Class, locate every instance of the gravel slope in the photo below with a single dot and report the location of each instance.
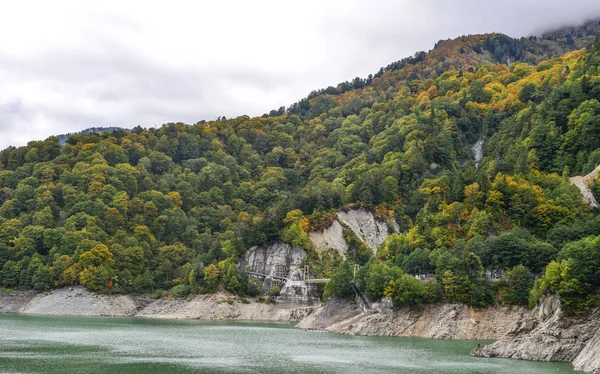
(77, 301)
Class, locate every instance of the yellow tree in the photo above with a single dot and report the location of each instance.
(294, 232)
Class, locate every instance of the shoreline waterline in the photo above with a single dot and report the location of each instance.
(53, 344)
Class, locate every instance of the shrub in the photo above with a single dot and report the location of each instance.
(275, 291)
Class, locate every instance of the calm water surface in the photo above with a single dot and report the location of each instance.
(36, 344)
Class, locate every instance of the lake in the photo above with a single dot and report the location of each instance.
(40, 344)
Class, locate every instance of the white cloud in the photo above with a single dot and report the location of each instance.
(69, 65)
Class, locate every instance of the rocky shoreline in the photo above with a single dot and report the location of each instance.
(436, 321)
(543, 334)
(439, 321)
(546, 334)
(77, 301)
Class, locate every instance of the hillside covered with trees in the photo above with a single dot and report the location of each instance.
(172, 208)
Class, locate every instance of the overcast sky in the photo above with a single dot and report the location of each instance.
(70, 65)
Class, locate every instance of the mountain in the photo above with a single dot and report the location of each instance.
(173, 209)
(462, 54)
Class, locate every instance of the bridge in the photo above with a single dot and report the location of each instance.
(261, 275)
(282, 276)
(307, 279)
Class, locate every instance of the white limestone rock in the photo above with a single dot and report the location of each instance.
(280, 260)
(366, 227)
(265, 260)
(546, 335)
(588, 359)
(330, 238)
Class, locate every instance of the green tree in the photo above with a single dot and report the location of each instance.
(405, 291)
(232, 279)
(339, 284)
(456, 287)
(519, 282)
(212, 277)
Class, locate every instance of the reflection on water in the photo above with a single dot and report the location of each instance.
(36, 344)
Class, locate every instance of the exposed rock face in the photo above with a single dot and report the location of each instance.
(547, 335)
(13, 302)
(364, 224)
(80, 302)
(280, 260)
(335, 311)
(296, 290)
(438, 321)
(74, 301)
(223, 306)
(583, 184)
(588, 359)
(266, 259)
(330, 238)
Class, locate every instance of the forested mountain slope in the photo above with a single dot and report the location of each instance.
(173, 208)
(92, 130)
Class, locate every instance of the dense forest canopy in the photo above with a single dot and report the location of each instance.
(172, 208)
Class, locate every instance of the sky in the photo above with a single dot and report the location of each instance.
(70, 65)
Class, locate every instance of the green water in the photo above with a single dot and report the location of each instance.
(36, 344)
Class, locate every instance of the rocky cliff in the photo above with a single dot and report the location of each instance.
(272, 259)
(363, 224)
(279, 264)
(330, 238)
(588, 359)
(547, 335)
(437, 321)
